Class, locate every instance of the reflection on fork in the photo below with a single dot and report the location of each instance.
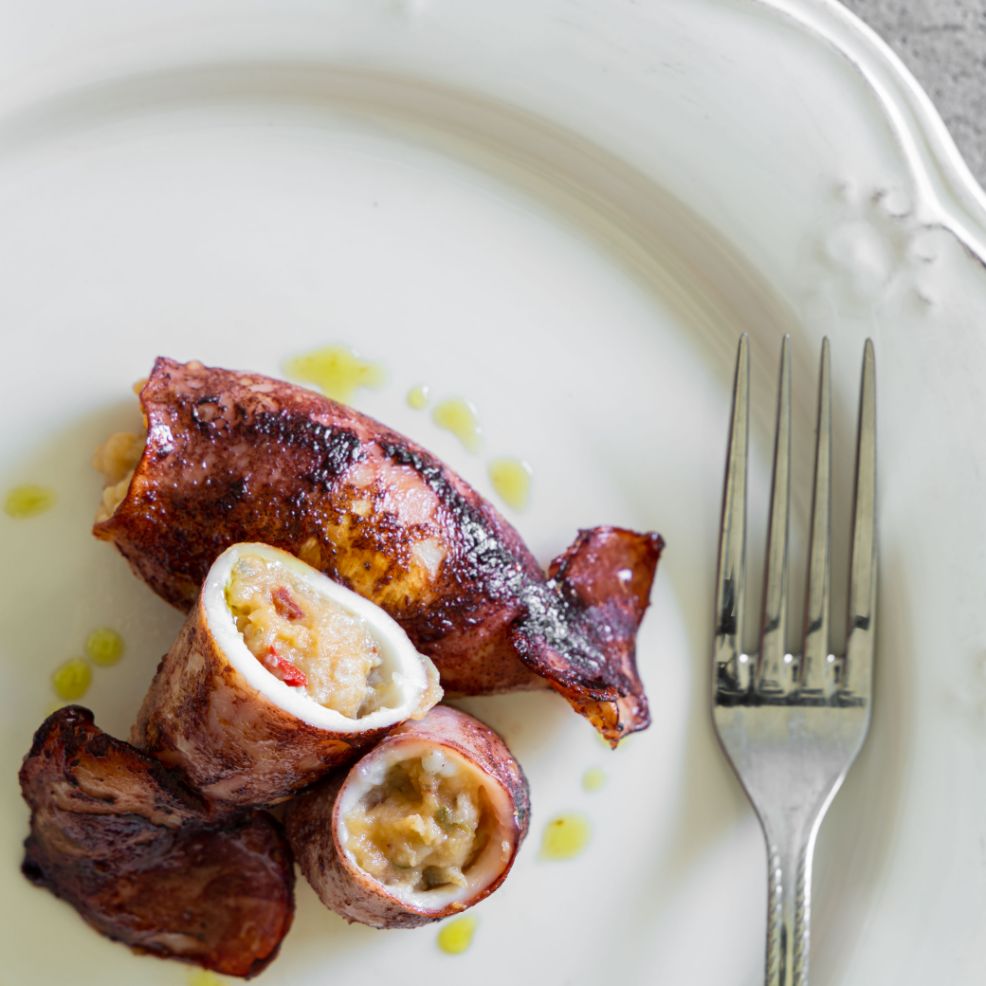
(792, 724)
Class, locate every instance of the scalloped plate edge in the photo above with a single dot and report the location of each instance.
(941, 176)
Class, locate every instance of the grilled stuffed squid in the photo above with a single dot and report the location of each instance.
(278, 675)
(233, 457)
(425, 825)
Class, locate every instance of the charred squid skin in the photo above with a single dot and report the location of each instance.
(314, 823)
(605, 576)
(233, 728)
(140, 856)
(238, 456)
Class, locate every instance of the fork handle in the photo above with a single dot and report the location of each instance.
(788, 907)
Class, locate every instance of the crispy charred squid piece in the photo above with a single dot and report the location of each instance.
(425, 825)
(121, 839)
(278, 675)
(238, 456)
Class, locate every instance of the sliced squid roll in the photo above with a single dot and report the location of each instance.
(278, 675)
(425, 825)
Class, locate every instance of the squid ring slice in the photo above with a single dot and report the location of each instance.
(425, 825)
(278, 675)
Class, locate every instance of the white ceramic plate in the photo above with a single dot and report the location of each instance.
(565, 211)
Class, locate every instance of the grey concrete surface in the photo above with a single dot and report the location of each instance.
(943, 42)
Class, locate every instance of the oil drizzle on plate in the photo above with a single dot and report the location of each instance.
(418, 396)
(202, 977)
(593, 779)
(71, 680)
(104, 647)
(337, 371)
(456, 936)
(511, 478)
(461, 418)
(28, 501)
(565, 836)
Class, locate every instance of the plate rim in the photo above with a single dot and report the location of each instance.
(942, 178)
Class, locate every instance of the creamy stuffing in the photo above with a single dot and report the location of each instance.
(303, 638)
(117, 459)
(423, 827)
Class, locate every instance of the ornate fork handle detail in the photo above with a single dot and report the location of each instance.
(788, 911)
(793, 724)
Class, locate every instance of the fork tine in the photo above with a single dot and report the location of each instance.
(732, 672)
(862, 571)
(814, 674)
(772, 676)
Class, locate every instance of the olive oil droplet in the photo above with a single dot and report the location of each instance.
(202, 977)
(565, 836)
(337, 371)
(456, 936)
(461, 418)
(593, 779)
(71, 680)
(417, 396)
(28, 501)
(104, 647)
(511, 478)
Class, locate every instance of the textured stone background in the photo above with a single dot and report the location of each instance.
(943, 42)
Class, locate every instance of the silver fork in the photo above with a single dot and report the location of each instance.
(793, 724)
